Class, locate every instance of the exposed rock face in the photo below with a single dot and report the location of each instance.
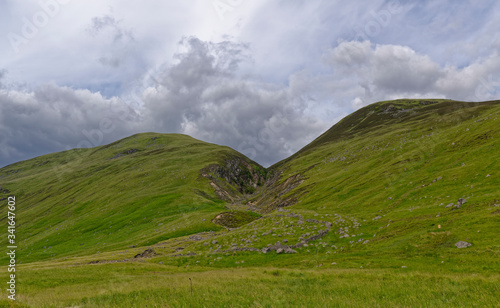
(463, 244)
(233, 177)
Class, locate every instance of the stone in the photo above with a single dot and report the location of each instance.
(449, 205)
(289, 250)
(279, 250)
(266, 249)
(462, 244)
(196, 237)
(461, 201)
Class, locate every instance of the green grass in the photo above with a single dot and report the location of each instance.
(154, 285)
(383, 175)
(87, 201)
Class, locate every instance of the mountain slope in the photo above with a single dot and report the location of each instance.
(389, 177)
(136, 191)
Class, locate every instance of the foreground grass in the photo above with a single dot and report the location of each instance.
(142, 284)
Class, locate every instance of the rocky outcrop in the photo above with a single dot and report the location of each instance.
(234, 177)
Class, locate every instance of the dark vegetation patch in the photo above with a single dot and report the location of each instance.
(235, 219)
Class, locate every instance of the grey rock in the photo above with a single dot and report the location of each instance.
(266, 249)
(461, 201)
(462, 244)
(279, 250)
(195, 237)
(289, 250)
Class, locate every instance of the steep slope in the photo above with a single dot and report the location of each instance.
(389, 178)
(136, 191)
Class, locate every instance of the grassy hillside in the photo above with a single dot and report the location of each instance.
(368, 214)
(397, 169)
(134, 192)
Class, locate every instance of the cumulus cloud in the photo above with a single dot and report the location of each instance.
(382, 72)
(53, 118)
(202, 96)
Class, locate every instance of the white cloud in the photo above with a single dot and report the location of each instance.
(381, 72)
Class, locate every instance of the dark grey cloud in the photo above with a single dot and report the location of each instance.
(201, 95)
(53, 118)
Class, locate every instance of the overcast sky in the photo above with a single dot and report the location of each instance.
(264, 77)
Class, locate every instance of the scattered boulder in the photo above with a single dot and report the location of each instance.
(266, 249)
(449, 205)
(196, 237)
(461, 201)
(289, 250)
(279, 250)
(463, 244)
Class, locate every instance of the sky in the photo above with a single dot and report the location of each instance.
(263, 77)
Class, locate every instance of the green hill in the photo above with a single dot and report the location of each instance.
(397, 169)
(136, 191)
(392, 187)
